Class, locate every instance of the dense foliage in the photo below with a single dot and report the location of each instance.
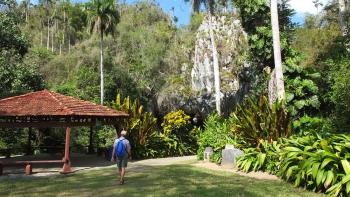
(146, 56)
(177, 137)
(16, 74)
(315, 162)
(256, 120)
(216, 134)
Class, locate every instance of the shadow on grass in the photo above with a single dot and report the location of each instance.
(176, 180)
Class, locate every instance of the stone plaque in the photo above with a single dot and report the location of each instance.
(229, 157)
(207, 153)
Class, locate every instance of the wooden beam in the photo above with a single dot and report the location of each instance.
(50, 124)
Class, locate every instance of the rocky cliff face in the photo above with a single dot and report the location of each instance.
(232, 47)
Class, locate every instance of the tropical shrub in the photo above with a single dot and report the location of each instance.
(256, 120)
(307, 124)
(216, 134)
(339, 93)
(318, 163)
(315, 162)
(175, 122)
(178, 129)
(265, 158)
(105, 137)
(301, 88)
(140, 125)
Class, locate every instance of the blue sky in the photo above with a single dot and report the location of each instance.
(182, 10)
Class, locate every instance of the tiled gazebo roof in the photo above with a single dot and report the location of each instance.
(47, 106)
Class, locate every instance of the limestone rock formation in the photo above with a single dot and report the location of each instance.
(232, 47)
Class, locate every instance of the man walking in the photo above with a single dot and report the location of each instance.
(121, 152)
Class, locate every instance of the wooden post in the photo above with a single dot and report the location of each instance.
(66, 166)
(91, 148)
(28, 169)
(29, 143)
(0, 169)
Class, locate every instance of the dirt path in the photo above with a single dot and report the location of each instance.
(256, 175)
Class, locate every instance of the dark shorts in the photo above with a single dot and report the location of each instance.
(122, 162)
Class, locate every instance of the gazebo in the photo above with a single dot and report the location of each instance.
(47, 109)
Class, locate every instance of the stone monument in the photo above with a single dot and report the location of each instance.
(207, 153)
(229, 156)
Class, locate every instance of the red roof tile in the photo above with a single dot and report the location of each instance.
(47, 103)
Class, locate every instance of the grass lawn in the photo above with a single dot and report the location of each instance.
(176, 180)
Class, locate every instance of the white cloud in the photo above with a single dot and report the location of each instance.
(306, 6)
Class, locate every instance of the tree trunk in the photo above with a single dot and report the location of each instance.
(272, 88)
(52, 41)
(101, 66)
(216, 66)
(69, 44)
(41, 38)
(60, 48)
(344, 14)
(64, 16)
(48, 34)
(27, 10)
(277, 51)
(64, 26)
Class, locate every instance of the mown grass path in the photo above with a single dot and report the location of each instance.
(170, 180)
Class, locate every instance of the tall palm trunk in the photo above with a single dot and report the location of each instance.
(69, 44)
(277, 51)
(64, 26)
(41, 37)
(52, 41)
(48, 34)
(27, 10)
(101, 66)
(216, 66)
(344, 14)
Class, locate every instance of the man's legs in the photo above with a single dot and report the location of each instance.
(122, 174)
(122, 164)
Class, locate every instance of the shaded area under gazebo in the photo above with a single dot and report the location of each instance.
(46, 109)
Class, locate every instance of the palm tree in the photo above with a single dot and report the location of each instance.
(277, 51)
(210, 9)
(102, 18)
(344, 15)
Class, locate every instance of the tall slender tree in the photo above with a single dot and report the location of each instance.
(103, 17)
(277, 51)
(344, 15)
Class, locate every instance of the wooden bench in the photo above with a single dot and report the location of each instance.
(28, 164)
